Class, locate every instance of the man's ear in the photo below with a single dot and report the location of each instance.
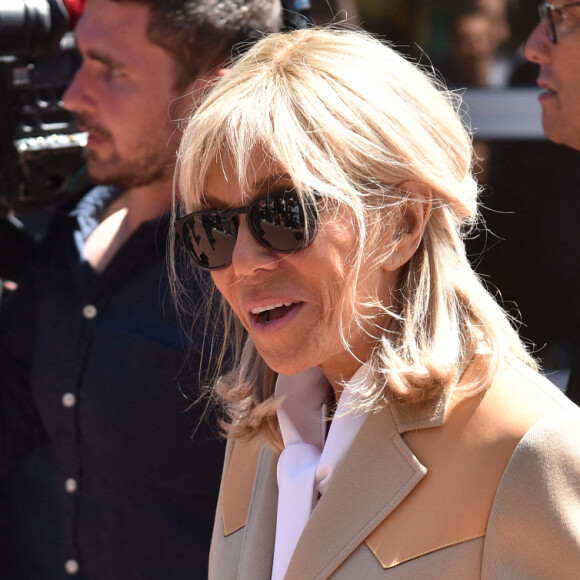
(412, 224)
(221, 72)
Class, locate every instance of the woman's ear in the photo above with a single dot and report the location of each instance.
(414, 218)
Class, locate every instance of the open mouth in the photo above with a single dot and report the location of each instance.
(546, 87)
(268, 314)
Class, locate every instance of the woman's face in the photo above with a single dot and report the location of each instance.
(291, 303)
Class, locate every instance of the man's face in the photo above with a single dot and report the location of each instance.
(559, 76)
(123, 96)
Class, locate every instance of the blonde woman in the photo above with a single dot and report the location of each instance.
(384, 419)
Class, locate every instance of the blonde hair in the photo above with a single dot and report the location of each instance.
(349, 118)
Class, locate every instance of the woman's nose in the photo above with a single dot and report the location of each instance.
(249, 255)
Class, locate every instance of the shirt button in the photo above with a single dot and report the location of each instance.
(90, 311)
(69, 400)
(70, 485)
(71, 566)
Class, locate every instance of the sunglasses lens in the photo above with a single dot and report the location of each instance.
(210, 239)
(282, 223)
(279, 221)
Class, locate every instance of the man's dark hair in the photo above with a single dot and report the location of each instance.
(200, 34)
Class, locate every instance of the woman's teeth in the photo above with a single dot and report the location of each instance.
(267, 314)
(260, 309)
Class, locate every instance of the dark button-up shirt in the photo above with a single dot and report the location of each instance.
(95, 363)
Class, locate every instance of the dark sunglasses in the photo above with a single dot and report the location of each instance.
(547, 11)
(279, 221)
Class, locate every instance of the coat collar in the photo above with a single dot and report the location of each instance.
(451, 504)
(380, 454)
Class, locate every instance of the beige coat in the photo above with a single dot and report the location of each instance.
(489, 488)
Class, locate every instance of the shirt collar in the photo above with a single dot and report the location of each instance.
(90, 209)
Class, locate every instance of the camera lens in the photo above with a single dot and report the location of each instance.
(31, 27)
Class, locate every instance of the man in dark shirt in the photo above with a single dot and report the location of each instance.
(554, 45)
(91, 353)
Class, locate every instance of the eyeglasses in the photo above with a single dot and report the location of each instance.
(279, 221)
(547, 11)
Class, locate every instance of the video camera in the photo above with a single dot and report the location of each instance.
(40, 145)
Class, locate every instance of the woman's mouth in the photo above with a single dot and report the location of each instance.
(272, 312)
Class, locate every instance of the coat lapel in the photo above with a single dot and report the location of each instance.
(379, 468)
(260, 529)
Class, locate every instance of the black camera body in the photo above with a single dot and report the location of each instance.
(41, 147)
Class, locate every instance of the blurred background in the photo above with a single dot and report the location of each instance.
(531, 187)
